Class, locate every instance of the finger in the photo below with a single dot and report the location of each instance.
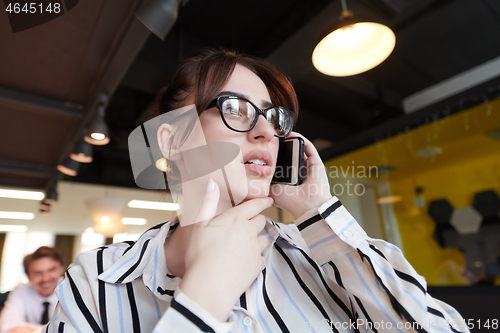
(209, 204)
(310, 152)
(309, 148)
(312, 159)
(259, 222)
(263, 242)
(252, 207)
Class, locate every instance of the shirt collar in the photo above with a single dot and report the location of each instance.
(273, 230)
(142, 258)
(146, 257)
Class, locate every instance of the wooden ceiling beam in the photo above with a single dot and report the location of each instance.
(127, 42)
(41, 103)
(24, 169)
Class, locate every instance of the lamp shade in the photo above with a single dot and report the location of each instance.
(353, 46)
(159, 16)
(51, 196)
(44, 206)
(98, 129)
(44, 209)
(69, 167)
(97, 133)
(95, 142)
(82, 152)
(106, 212)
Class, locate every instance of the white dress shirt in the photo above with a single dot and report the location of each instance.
(24, 307)
(323, 274)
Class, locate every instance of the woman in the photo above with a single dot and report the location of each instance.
(238, 271)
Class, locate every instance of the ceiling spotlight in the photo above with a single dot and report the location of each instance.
(98, 129)
(44, 206)
(159, 15)
(82, 153)
(352, 46)
(69, 167)
(98, 132)
(93, 141)
(51, 196)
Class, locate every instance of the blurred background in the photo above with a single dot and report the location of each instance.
(411, 146)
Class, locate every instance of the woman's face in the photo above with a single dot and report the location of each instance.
(257, 145)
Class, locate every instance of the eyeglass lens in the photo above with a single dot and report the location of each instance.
(240, 114)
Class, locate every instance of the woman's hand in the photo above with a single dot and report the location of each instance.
(224, 254)
(309, 195)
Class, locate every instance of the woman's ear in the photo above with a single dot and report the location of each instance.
(166, 142)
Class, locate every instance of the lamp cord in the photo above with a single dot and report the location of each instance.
(344, 6)
(101, 110)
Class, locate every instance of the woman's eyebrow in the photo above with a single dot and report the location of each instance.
(266, 104)
(232, 93)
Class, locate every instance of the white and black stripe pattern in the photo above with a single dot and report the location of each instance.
(321, 276)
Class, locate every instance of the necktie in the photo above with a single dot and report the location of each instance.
(45, 315)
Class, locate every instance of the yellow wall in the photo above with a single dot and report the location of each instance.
(469, 163)
(457, 183)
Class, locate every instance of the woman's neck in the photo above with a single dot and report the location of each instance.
(175, 247)
(176, 244)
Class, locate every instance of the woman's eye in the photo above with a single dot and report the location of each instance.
(232, 107)
(233, 111)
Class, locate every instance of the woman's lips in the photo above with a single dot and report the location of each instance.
(260, 170)
(257, 168)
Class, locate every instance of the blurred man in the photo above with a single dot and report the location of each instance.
(29, 306)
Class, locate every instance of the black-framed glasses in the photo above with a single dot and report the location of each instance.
(241, 115)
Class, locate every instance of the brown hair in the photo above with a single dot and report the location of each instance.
(204, 75)
(42, 252)
(201, 77)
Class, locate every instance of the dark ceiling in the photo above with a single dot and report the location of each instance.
(50, 75)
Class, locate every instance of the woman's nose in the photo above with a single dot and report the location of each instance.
(262, 129)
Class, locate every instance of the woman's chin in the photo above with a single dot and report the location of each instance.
(258, 188)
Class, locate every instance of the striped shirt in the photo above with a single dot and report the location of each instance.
(323, 274)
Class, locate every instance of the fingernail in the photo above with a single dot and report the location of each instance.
(210, 185)
(272, 200)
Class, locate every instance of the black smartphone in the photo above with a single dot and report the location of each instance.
(290, 168)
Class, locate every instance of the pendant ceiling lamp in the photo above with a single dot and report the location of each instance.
(44, 206)
(51, 196)
(107, 215)
(69, 167)
(44, 209)
(98, 132)
(159, 15)
(82, 152)
(352, 46)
